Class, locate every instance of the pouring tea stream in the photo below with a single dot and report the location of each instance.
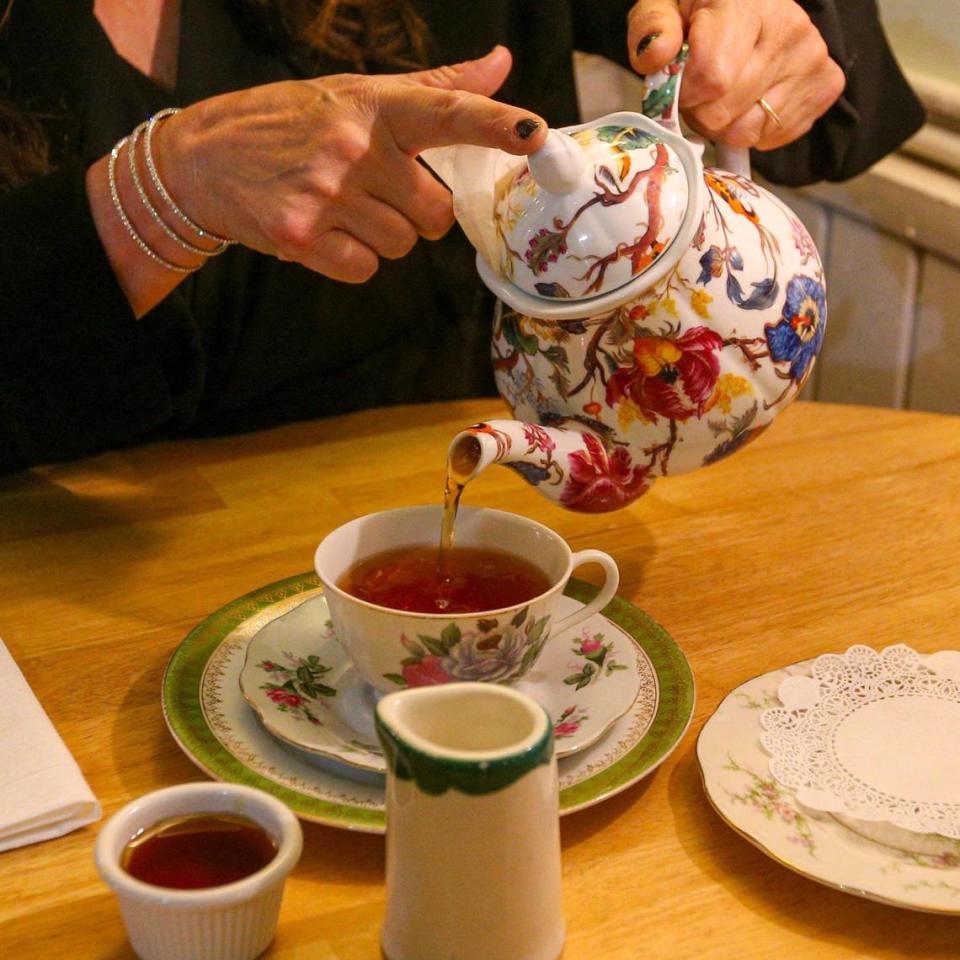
(654, 315)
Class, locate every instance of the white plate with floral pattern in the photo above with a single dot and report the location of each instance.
(736, 777)
(306, 691)
(213, 724)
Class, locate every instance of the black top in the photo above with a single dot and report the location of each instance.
(250, 341)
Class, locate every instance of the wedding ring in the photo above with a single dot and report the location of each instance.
(770, 112)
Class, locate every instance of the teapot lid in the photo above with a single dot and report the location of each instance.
(598, 214)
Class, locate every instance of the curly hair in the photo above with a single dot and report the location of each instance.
(24, 153)
(365, 35)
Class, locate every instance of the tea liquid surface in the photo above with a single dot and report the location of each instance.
(198, 851)
(471, 579)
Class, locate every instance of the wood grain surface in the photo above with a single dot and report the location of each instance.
(840, 525)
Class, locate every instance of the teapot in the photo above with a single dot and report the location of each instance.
(653, 316)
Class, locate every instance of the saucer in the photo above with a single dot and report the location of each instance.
(307, 692)
(736, 777)
(213, 724)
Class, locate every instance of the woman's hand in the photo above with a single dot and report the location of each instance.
(740, 51)
(324, 171)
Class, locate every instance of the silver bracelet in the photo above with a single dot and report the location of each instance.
(131, 229)
(162, 190)
(151, 209)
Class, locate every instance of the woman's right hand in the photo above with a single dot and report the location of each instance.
(324, 171)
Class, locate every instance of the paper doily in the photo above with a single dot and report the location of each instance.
(875, 736)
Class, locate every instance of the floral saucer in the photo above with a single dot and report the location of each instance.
(736, 777)
(213, 724)
(306, 691)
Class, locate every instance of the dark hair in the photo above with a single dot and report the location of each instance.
(23, 147)
(365, 35)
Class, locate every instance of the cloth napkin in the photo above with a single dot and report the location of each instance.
(42, 791)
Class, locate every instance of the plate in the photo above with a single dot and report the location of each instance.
(736, 777)
(208, 717)
(306, 690)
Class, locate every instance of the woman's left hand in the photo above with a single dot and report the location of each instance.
(741, 51)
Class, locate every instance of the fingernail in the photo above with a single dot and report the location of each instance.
(527, 128)
(645, 42)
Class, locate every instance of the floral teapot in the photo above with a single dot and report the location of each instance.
(654, 315)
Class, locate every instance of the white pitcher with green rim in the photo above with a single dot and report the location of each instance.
(473, 839)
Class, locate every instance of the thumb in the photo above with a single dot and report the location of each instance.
(654, 34)
(485, 75)
(451, 104)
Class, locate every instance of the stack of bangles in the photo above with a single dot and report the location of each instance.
(144, 134)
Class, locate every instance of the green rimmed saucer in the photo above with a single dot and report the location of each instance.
(213, 724)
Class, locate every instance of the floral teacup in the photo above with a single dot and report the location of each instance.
(392, 649)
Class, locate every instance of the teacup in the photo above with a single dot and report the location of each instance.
(234, 921)
(395, 649)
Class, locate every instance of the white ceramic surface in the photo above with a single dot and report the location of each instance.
(579, 197)
(235, 921)
(735, 771)
(395, 648)
(473, 838)
(306, 691)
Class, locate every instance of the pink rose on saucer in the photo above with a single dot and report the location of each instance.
(285, 697)
(590, 644)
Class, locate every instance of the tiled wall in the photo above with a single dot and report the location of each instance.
(890, 241)
(893, 336)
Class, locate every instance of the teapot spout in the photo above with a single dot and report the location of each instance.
(577, 467)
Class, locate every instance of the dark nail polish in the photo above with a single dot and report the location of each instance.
(645, 42)
(527, 128)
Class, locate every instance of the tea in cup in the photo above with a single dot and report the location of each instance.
(199, 869)
(484, 611)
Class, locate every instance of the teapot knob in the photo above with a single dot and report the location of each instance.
(560, 165)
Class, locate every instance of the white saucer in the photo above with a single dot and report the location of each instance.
(307, 693)
(736, 777)
(216, 728)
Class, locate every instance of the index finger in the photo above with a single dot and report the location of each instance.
(421, 117)
(722, 36)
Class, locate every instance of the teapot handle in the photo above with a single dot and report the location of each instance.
(661, 102)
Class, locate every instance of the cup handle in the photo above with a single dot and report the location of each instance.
(606, 594)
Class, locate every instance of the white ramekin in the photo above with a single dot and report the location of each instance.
(235, 921)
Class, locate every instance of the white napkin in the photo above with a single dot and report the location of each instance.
(474, 174)
(42, 791)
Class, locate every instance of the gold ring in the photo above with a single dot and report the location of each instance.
(770, 112)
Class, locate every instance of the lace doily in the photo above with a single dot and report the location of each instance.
(874, 736)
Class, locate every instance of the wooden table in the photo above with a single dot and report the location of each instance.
(840, 525)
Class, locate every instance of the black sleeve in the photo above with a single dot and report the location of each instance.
(601, 28)
(875, 114)
(78, 373)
